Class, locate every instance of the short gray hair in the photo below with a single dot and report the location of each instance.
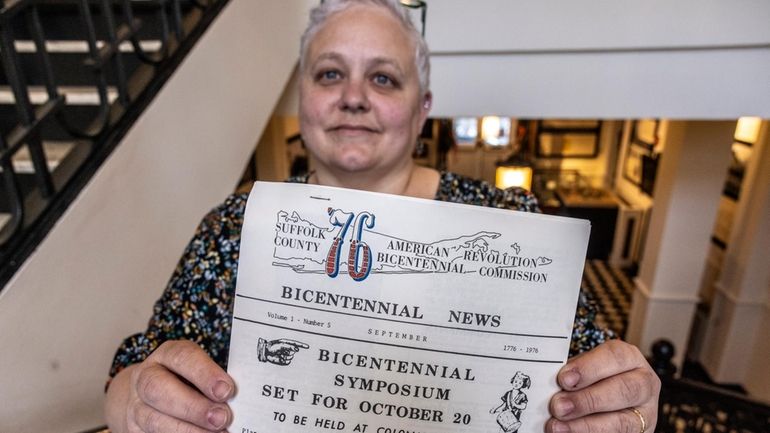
(321, 13)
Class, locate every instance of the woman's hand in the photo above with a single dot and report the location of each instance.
(600, 390)
(178, 388)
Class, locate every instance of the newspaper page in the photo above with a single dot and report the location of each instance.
(374, 313)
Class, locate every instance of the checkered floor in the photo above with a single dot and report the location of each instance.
(612, 289)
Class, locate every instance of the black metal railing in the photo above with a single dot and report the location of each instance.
(690, 406)
(687, 406)
(32, 202)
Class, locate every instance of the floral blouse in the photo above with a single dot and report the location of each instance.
(197, 304)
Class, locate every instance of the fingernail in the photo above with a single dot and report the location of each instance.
(570, 379)
(563, 407)
(222, 390)
(559, 427)
(217, 417)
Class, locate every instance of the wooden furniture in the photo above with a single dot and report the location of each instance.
(596, 205)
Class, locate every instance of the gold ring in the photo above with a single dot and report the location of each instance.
(641, 419)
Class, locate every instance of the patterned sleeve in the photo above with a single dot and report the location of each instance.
(197, 302)
(520, 199)
(586, 333)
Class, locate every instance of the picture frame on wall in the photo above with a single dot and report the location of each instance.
(466, 132)
(645, 133)
(640, 165)
(649, 173)
(633, 165)
(557, 139)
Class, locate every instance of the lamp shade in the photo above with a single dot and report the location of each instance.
(510, 174)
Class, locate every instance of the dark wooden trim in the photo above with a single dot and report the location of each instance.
(593, 131)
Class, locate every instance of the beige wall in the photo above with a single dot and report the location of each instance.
(757, 379)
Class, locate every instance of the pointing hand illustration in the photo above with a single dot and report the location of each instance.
(280, 351)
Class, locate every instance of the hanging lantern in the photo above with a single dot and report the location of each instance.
(513, 172)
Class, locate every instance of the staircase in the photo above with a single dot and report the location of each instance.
(75, 76)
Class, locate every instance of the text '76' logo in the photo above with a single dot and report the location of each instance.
(359, 254)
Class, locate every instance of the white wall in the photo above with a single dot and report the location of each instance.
(705, 59)
(502, 25)
(686, 199)
(94, 278)
(690, 59)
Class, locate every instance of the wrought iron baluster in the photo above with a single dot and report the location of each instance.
(36, 29)
(198, 4)
(177, 14)
(117, 57)
(128, 11)
(23, 105)
(102, 119)
(13, 194)
(165, 29)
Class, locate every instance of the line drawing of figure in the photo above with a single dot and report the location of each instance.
(280, 351)
(514, 403)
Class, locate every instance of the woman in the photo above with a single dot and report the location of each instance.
(364, 96)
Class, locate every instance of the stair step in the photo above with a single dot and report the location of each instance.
(70, 46)
(69, 68)
(82, 109)
(74, 95)
(4, 218)
(62, 21)
(55, 152)
(66, 157)
(79, 116)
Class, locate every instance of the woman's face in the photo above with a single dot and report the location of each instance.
(360, 103)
